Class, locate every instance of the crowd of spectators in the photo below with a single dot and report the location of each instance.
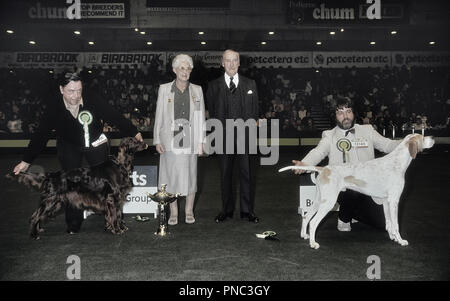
(400, 98)
(132, 90)
(403, 98)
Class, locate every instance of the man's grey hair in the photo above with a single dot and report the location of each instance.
(230, 50)
(181, 58)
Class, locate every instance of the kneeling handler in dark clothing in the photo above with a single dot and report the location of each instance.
(76, 118)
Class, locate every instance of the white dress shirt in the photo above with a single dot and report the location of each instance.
(228, 80)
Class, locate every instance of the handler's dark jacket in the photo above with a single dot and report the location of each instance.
(68, 129)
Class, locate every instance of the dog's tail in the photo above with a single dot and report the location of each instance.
(307, 168)
(29, 179)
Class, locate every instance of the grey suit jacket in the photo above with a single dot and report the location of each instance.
(363, 133)
(164, 117)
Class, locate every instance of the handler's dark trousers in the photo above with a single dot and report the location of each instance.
(70, 157)
(361, 207)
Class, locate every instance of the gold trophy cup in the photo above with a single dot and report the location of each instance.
(163, 198)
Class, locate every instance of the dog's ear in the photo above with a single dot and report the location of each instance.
(413, 147)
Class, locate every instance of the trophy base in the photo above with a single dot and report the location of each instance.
(162, 231)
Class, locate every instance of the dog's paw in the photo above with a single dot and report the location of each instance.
(314, 245)
(403, 242)
(123, 227)
(34, 234)
(117, 231)
(304, 236)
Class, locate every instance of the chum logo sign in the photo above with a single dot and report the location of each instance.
(144, 179)
(301, 12)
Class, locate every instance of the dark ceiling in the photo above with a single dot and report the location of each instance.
(243, 27)
(56, 38)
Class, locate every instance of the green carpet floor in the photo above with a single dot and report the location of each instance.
(230, 250)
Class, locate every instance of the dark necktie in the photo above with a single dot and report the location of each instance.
(232, 85)
(350, 131)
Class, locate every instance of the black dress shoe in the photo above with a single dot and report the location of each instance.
(223, 216)
(253, 218)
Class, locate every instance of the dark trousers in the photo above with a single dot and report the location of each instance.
(244, 162)
(361, 207)
(70, 157)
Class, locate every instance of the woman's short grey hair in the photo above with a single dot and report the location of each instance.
(181, 58)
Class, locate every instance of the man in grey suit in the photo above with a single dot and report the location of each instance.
(351, 143)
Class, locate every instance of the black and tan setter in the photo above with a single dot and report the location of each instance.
(102, 188)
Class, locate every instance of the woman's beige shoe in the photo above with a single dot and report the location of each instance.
(190, 219)
(173, 220)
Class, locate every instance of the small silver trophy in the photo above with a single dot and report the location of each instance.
(163, 198)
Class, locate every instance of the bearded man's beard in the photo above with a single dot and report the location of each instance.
(345, 124)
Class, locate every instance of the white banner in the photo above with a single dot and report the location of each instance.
(212, 59)
(139, 202)
(277, 59)
(46, 60)
(144, 180)
(420, 58)
(307, 193)
(102, 10)
(124, 58)
(61, 60)
(344, 59)
(209, 59)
